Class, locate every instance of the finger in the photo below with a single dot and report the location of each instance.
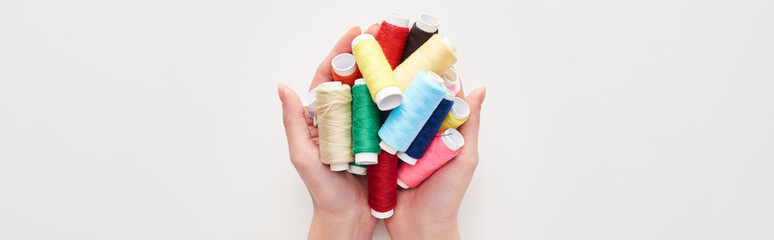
(373, 29)
(296, 128)
(453, 178)
(344, 45)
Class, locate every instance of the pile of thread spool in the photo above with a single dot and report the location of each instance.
(391, 111)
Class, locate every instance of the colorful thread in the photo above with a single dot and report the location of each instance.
(422, 30)
(334, 124)
(457, 116)
(445, 146)
(452, 80)
(365, 125)
(377, 73)
(404, 123)
(344, 69)
(418, 147)
(382, 186)
(436, 55)
(392, 37)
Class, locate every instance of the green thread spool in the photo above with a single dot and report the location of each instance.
(365, 125)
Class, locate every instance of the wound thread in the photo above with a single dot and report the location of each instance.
(377, 73)
(445, 146)
(334, 124)
(420, 144)
(404, 123)
(436, 55)
(365, 125)
(457, 116)
(392, 37)
(382, 186)
(420, 32)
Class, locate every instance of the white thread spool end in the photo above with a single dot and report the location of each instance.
(437, 80)
(336, 167)
(460, 109)
(388, 98)
(310, 103)
(344, 64)
(453, 139)
(359, 81)
(366, 158)
(450, 77)
(361, 37)
(357, 170)
(450, 95)
(387, 148)
(397, 19)
(382, 215)
(428, 23)
(402, 185)
(449, 44)
(331, 84)
(406, 158)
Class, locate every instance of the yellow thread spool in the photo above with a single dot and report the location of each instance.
(334, 124)
(457, 116)
(377, 72)
(436, 55)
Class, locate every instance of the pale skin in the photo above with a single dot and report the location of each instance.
(340, 199)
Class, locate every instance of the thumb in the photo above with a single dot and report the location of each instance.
(294, 118)
(469, 129)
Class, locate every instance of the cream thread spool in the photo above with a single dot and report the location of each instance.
(389, 96)
(335, 124)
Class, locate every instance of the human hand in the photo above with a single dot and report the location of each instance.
(429, 211)
(340, 199)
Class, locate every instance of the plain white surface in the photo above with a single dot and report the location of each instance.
(603, 120)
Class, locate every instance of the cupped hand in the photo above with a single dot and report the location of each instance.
(429, 211)
(340, 199)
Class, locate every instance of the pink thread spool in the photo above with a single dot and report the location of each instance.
(452, 80)
(444, 147)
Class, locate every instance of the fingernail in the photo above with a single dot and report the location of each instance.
(281, 92)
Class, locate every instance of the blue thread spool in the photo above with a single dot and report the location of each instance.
(419, 146)
(404, 123)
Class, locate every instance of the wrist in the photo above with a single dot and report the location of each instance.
(424, 229)
(346, 225)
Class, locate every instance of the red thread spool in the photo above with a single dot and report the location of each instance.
(444, 147)
(382, 185)
(344, 69)
(392, 37)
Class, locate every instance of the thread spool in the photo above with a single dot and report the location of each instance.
(357, 169)
(436, 55)
(404, 123)
(445, 146)
(452, 80)
(423, 29)
(334, 120)
(392, 37)
(377, 72)
(418, 147)
(382, 186)
(344, 69)
(365, 125)
(457, 116)
(310, 104)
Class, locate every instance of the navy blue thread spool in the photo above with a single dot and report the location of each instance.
(419, 146)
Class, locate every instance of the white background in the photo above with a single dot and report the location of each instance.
(603, 120)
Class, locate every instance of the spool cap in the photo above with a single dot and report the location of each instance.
(387, 148)
(450, 77)
(361, 37)
(339, 166)
(388, 98)
(344, 64)
(357, 170)
(449, 44)
(453, 139)
(359, 81)
(428, 23)
(406, 158)
(366, 158)
(382, 215)
(460, 109)
(397, 19)
(402, 185)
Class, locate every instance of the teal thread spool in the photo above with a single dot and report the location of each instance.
(365, 125)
